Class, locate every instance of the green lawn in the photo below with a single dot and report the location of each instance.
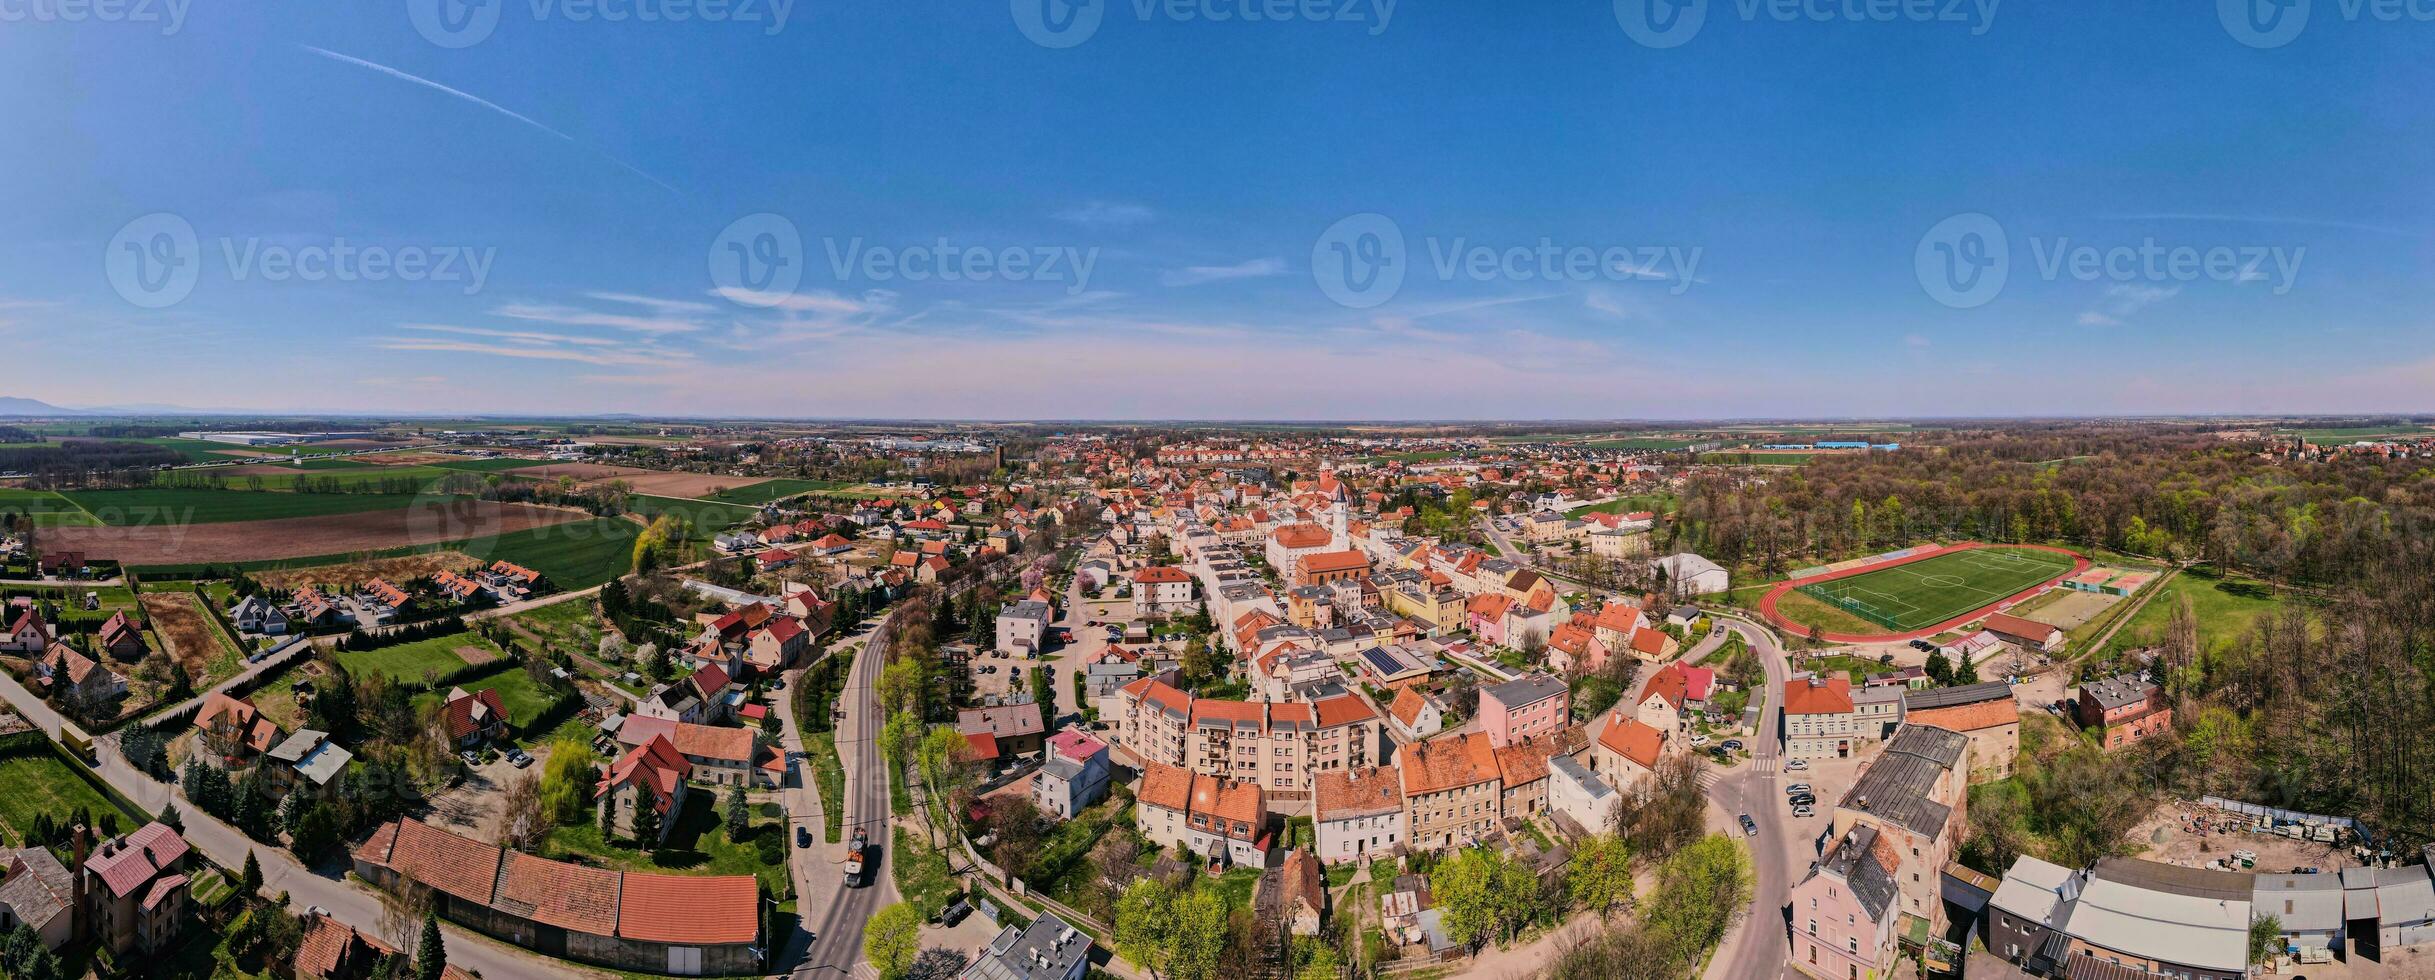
(525, 700)
(38, 782)
(195, 450)
(165, 506)
(828, 774)
(922, 874)
(575, 555)
(2225, 607)
(1800, 608)
(1653, 502)
(1924, 593)
(569, 625)
(768, 490)
(697, 845)
(413, 661)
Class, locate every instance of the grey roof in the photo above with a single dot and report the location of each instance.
(42, 893)
(324, 763)
(295, 747)
(1897, 788)
(1854, 861)
(1062, 768)
(2114, 692)
(2405, 895)
(1581, 776)
(1946, 697)
(1047, 950)
(1026, 609)
(2305, 903)
(1530, 689)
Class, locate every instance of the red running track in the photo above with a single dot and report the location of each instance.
(1767, 603)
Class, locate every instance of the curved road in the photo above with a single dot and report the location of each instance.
(1760, 944)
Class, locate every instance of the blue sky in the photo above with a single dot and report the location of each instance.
(1748, 223)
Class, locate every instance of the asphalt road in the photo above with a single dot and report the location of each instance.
(1760, 943)
(833, 913)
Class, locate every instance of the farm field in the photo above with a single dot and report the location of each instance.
(768, 490)
(413, 661)
(1760, 459)
(1648, 442)
(1924, 593)
(201, 650)
(46, 508)
(400, 570)
(38, 783)
(2359, 433)
(148, 508)
(706, 516)
(266, 476)
(196, 450)
(575, 556)
(182, 550)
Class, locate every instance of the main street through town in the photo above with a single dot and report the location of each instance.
(831, 915)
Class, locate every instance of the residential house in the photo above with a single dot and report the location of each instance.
(39, 893)
(64, 674)
(1281, 746)
(1013, 729)
(121, 637)
(307, 762)
(134, 889)
(233, 728)
(28, 635)
(1672, 695)
(255, 614)
(1023, 627)
(1044, 949)
(475, 717)
(1162, 590)
(1844, 910)
(1820, 721)
(1073, 774)
(1358, 815)
(652, 774)
(1303, 903)
(1219, 820)
(1580, 795)
(1453, 791)
(718, 756)
(1536, 705)
(2125, 708)
(1627, 750)
(1415, 715)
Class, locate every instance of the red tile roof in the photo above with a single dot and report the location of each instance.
(686, 909)
(1635, 741)
(1833, 696)
(560, 894)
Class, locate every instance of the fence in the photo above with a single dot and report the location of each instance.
(2283, 816)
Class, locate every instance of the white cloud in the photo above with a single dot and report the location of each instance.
(2123, 299)
(1199, 274)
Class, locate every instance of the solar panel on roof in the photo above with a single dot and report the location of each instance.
(1382, 662)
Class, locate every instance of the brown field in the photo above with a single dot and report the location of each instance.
(192, 640)
(304, 537)
(396, 570)
(652, 482)
(476, 655)
(405, 459)
(353, 444)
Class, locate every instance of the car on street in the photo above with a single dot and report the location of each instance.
(803, 836)
(1750, 828)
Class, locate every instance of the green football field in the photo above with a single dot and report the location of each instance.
(1924, 593)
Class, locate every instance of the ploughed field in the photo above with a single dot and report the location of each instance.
(234, 539)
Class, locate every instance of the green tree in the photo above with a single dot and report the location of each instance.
(892, 940)
(646, 822)
(430, 955)
(1199, 937)
(2265, 938)
(1044, 692)
(250, 879)
(1600, 875)
(567, 780)
(738, 813)
(1145, 918)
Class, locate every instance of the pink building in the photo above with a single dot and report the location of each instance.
(1525, 707)
(1843, 913)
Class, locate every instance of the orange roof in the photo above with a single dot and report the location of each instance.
(1334, 561)
(2011, 625)
(1302, 536)
(1358, 793)
(1344, 709)
(1833, 696)
(1489, 605)
(1620, 618)
(1652, 642)
(1524, 761)
(1230, 801)
(1971, 717)
(1445, 764)
(1161, 573)
(1635, 741)
(689, 909)
(1671, 684)
(1406, 708)
(1166, 787)
(460, 866)
(569, 896)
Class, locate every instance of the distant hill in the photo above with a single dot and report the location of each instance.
(28, 406)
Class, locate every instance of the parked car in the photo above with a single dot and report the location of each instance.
(955, 913)
(1699, 739)
(1885, 658)
(803, 836)
(1795, 765)
(1803, 811)
(1804, 800)
(1750, 828)
(1733, 744)
(1797, 789)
